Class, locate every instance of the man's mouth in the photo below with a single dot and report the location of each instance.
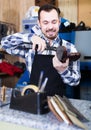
(50, 32)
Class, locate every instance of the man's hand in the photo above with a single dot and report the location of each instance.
(36, 40)
(59, 66)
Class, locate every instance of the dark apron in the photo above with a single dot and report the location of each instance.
(43, 63)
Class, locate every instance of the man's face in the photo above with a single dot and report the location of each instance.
(49, 23)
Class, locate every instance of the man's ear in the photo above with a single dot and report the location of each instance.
(59, 21)
(38, 23)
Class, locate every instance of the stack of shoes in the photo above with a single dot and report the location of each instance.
(63, 110)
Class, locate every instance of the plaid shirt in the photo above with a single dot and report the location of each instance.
(19, 44)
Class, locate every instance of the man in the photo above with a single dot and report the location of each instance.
(59, 73)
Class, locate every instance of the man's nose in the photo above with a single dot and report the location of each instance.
(50, 26)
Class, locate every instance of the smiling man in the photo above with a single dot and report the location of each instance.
(58, 73)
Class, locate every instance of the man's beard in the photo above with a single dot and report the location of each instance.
(50, 36)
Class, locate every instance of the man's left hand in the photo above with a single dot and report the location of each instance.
(59, 66)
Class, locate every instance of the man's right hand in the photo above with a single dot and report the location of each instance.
(36, 40)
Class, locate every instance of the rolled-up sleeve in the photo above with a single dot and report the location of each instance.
(17, 44)
(72, 75)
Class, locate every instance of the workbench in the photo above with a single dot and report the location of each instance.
(45, 121)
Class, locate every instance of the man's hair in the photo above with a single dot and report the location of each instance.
(48, 8)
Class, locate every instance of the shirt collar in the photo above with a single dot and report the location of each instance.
(55, 42)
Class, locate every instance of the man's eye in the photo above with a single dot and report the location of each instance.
(54, 22)
(45, 23)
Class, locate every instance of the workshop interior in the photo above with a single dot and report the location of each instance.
(21, 16)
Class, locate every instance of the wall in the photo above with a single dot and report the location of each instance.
(84, 11)
(68, 9)
(13, 11)
(24, 6)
